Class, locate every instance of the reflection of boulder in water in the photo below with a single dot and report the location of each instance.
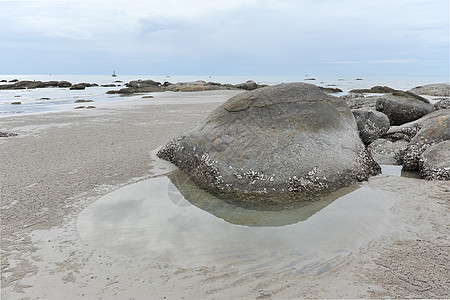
(258, 215)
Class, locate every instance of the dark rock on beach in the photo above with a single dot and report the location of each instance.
(82, 86)
(330, 90)
(438, 89)
(284, 140)
(374, 90)
(28, 84)
(372, 124)
(403, 107)
(434, 162)
(249, 85)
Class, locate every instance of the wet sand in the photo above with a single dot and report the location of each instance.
(60, 163)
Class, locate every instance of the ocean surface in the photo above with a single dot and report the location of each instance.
(60, 99)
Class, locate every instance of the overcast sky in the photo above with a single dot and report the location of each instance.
(225, 37)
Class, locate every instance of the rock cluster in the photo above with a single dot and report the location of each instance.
(28, 84)
(289, 139)
(148, 86)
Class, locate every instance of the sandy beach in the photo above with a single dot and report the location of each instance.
(62, 162)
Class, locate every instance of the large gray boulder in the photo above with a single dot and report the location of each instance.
(434, 163)
(288, 139)
(372, 124)
(428, 131)
(403, 107)
(437, 89)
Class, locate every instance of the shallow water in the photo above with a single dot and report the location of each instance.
(397, 170)
(152, 219)
(62, 99)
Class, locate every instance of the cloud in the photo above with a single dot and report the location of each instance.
(226, 35)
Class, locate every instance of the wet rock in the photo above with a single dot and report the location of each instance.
(442, 104)
(434, 162)
(385, 151)
(16, 103)
(374, 90)
(14, 80)
(288, 139)
(372, 124)
(249, 85)
(3, 80)
(435, 128)
(403, 107)
(83, 101)
(438, 89)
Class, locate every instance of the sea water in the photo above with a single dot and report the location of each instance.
(164, 220)
(59, 99)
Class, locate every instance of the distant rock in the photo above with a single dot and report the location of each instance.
(330, 90)
(82, 86)
(28, 84)
(14, 80)
(249, 85)
(403, 107)
(438, 89)
(442, 104)
(309, 79)
(83, 101)
(3, 80)
(16, 103)
(286, 140)
(376, 89)
(372, 124)
(434, 162)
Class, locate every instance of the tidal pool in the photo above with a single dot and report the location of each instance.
(168, 219)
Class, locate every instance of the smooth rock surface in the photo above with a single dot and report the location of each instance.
(438, 89)
(403, 107)
(288, 139)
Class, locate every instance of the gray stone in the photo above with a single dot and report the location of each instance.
(434, 129)
(385, 151)
(403, 107)
(288, 139)
(249, 85)
(372, 124)
(376, 89)
(438, 89)
(434, 163)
